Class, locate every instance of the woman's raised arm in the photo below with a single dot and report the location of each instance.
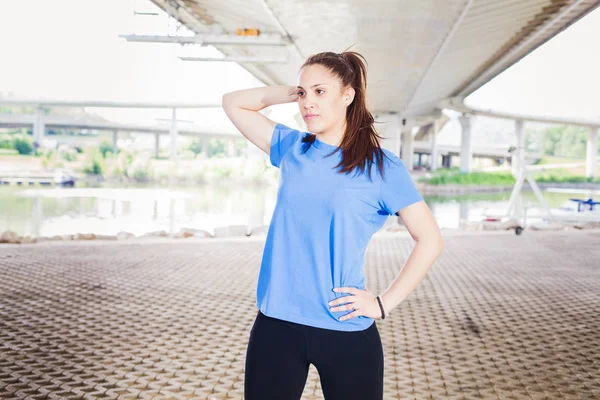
(243, 106)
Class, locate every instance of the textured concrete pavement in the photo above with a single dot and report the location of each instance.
(499, 316)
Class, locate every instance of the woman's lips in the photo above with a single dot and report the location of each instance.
(311, 116)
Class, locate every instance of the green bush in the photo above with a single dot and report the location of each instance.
(106, 147)
(94, 163)
(9, 151)
(550, 178)
(139, 170)
(6, 141)
(22, 144)
(195, 146)
(94, 167)
(19, 142)
(141, 175)
(47, 157)
(68, 155)
(453, 176)
(224, 171)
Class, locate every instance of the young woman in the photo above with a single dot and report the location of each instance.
(313, 307)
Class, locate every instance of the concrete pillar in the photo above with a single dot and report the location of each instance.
(466, 145)
(389, 129)
(156, 144)
(433, 165)
(518, 156)
(172, 217)
(230, 147)
(115, 139)
(173, 134)
(38, 128)
(447, 161)
(591, 160)
(205, 146)
(407, 148)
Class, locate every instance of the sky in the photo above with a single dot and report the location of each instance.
(70, 50)
(559, 78)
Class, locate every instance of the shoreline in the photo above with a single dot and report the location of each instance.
(423, 188)
(237, 239)
(240, 232)
(453, 189)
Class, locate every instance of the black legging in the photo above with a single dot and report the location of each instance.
(350, 363)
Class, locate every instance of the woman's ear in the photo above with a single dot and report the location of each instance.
(349, 96)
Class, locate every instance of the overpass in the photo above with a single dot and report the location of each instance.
(40, 122)
(500, 152)
(51, 121)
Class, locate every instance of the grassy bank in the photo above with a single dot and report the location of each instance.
(453, 176)
(129, 166)
(142, 167)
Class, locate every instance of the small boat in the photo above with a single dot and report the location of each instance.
(584, 204)
(64, 177)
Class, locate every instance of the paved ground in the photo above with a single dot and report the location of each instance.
(498, 317)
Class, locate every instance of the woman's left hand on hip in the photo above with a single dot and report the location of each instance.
(361, 301)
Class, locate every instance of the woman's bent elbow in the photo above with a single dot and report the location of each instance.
(225, 99)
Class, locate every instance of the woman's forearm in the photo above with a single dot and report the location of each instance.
(255, 99)
(421, 258)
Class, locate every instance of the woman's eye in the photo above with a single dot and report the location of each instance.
(300, 93)
(320, 90)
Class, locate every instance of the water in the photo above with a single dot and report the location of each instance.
(47, 211)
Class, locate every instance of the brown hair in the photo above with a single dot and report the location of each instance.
(360, 144)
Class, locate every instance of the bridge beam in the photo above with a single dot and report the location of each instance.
(390, 132)
(205, 146)
(408, 148)
(38, 128)
(433, 156)
(156, 145)
(466, 145)
(591, 169)
(115, 139)
(264, 39)
(173, 134)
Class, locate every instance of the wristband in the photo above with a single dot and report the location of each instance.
(381, 307)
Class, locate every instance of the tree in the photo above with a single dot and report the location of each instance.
(565, 141)
(22, 144)
(106, 147)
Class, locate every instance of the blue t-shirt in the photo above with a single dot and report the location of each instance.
(320, 228)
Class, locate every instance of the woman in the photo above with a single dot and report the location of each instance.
(313, 307)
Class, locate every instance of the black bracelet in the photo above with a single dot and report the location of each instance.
(381, 307)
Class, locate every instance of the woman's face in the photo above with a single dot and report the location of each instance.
(321, 100)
